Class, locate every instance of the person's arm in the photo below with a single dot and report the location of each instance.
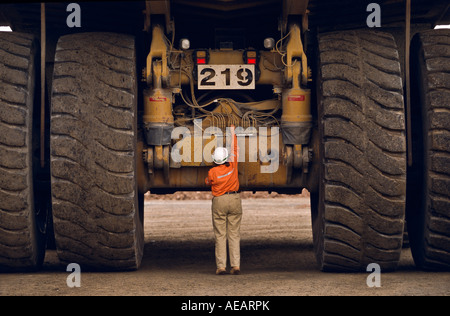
(234, 145)
(208, 179)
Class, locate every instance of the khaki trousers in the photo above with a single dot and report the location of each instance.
(227, 215)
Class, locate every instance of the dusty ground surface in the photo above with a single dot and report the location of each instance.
(277, 259)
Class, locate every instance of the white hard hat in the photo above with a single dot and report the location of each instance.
(220, 155)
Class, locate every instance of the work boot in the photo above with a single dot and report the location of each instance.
(235, 271)
(221, 271)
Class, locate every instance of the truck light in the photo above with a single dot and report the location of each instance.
(269, 43)
(201, 57)
(185, 44)
(251, 57)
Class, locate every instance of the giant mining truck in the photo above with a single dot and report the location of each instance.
(102, 102)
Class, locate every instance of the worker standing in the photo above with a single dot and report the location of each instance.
(226, 206)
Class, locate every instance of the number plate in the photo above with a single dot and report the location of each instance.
(219, 77)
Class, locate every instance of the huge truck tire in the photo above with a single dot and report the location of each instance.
(97, 209)
(428, 208)
(22, 229)
(358, 211)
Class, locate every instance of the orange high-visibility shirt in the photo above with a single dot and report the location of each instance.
(223, 178)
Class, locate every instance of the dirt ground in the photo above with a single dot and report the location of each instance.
(277, 259)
